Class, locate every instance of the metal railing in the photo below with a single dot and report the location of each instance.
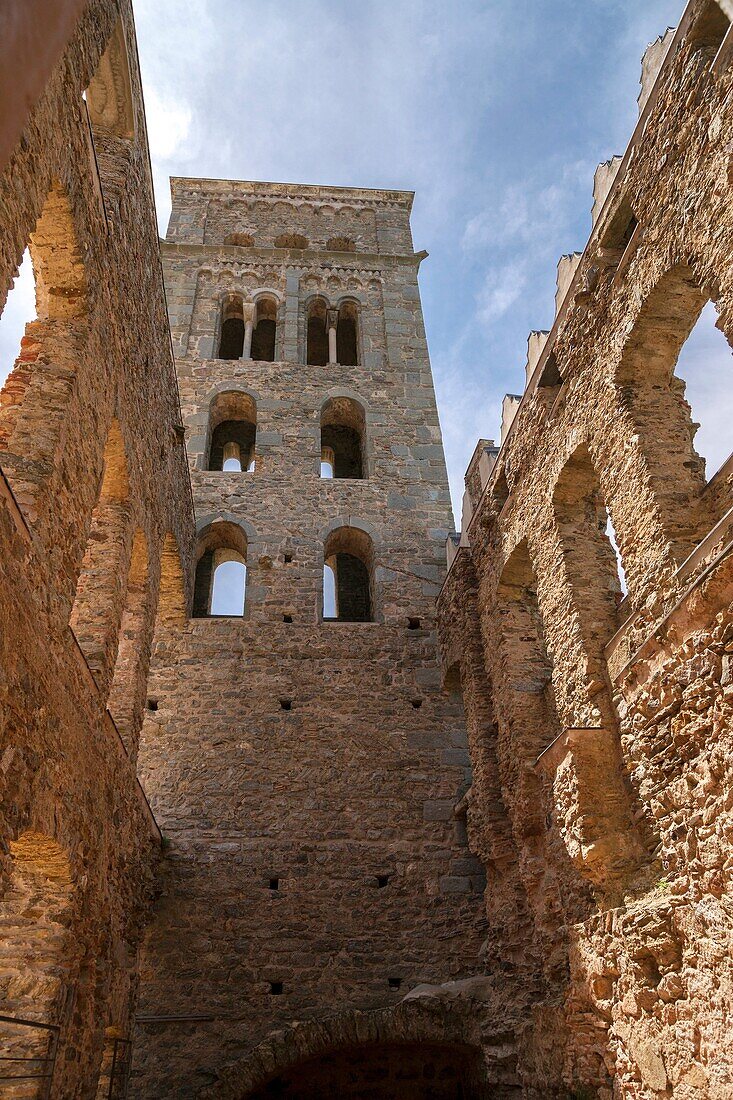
(119, 1074)
(39, 1067)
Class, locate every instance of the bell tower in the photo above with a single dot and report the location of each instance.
(299, 753)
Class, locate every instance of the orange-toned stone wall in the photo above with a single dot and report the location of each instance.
(599, 728)
(78, 844)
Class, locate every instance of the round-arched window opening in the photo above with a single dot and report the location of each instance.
(343, 438)
(347, 576)
(264, 333)
(221, 571)
(231, 340)
(232, 433)
(347, 340)
(317, 334)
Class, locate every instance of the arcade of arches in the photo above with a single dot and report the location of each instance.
(288, 808)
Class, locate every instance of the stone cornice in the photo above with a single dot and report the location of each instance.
(298, 194)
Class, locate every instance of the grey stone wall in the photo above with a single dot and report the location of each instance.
(347, 799)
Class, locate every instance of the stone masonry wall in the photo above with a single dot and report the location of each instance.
(315, 847)
(612, 716)
(78, 844)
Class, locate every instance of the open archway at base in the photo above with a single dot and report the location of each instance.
(410, 1051)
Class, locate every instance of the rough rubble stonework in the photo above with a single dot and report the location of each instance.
(93, 390)
(360, 874)
(600, 730)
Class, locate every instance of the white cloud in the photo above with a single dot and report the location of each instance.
(20, 308)
(169, 123)
(501, 288)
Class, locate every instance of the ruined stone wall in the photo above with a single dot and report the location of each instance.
(607, 718)
(315, 847)
(88, 409)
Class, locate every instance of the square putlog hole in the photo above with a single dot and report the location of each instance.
(276, 989)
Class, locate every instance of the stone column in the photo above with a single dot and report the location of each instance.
(248, 313)
(332, 316)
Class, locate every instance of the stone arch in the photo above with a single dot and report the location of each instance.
(316, 310)
(172, 601)
(231, 325)
(220, 539)
(411, 1025)
(348, 551)
(36, 393)
(231, 429)
(586, 555)
(343, 437)
(529, 724)
(98, 606)
(264, 334)
(653, 397)
(348, 332)
(129, 681)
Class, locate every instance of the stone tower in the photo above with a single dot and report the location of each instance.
(305, 767)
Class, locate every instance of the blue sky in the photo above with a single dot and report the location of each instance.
(495, 113)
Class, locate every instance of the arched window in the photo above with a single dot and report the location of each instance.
(98, 606)
(347, 353)
(232, 433)
(127, 694)
(590, 559)
(347, 582)
(265, 330)
(231, 340)
(653, 394)
(221, 571)
(317, 336)
(53, 268)
(342, 439)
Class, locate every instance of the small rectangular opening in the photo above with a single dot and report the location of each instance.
(550, 376)
(394, 983)
(276, 988)
(274, 883)
(287, 618)
(287, 558)
(286, 704)
(152, 704)
(413, 623)
(621, 228)
(382, 881)
(417, 703)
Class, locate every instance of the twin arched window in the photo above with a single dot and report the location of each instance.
(248, 330)
(332, 334)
